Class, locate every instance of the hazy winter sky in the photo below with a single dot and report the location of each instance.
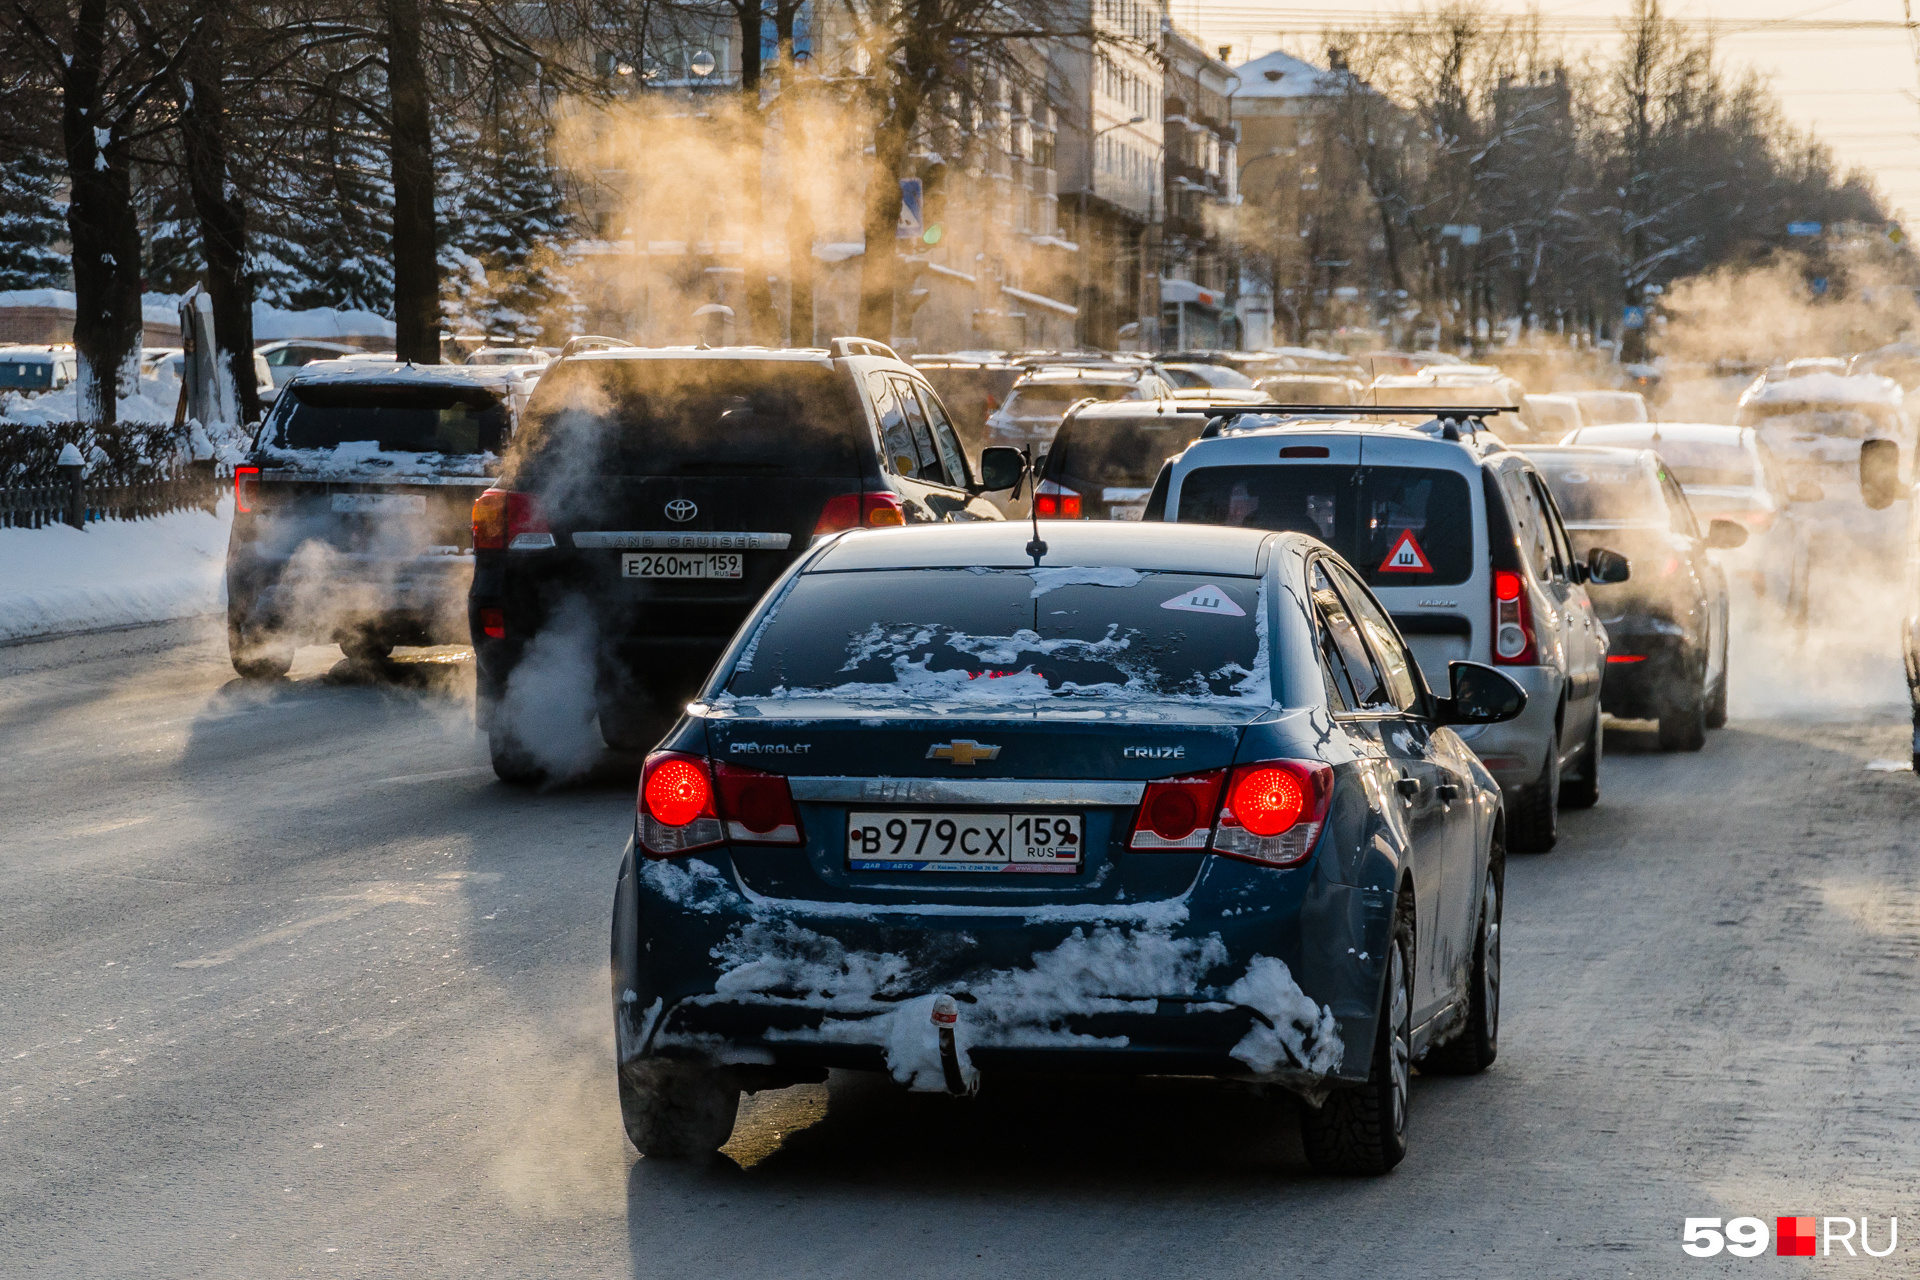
(1856, 88)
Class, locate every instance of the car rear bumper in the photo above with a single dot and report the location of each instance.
(1652, 686)
(426, 594)
(1282, 986)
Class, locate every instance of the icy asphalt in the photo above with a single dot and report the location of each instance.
(289, 985)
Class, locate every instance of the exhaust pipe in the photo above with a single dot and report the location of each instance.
(946, 1016)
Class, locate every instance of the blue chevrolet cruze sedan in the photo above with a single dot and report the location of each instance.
(1160, 799)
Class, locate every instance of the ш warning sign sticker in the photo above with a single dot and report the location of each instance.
(1406, 557)
(1208, 599)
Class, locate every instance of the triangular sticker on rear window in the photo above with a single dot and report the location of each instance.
(1207, 599)
(1406, 557)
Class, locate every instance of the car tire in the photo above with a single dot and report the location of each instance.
(1533, 816)
(1716, 714)
(674, 1112)
(258, 655)
(1583, 792)
(1362, 1129)
(1478, 1044)
(513, 764)
(1683, 727)
(368, 653)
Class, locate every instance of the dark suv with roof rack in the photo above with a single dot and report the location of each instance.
(656, 493)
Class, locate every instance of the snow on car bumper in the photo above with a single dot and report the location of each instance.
(1281, 986)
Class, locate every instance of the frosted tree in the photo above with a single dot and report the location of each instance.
(31, 222)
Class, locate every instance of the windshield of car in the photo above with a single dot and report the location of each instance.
(694, 417)
(1125, 451)
(1399, 526)
(1189, 377)
(1592, 489)
(400, 418)
(997, 635)
(1052, 398)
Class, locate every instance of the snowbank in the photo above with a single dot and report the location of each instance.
(154, 403)
(115, 573)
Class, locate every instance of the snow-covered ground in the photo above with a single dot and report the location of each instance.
(114, 573)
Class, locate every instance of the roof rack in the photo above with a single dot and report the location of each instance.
(1219, 415)
(840, 348)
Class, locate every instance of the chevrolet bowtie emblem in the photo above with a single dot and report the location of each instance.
(962, 751)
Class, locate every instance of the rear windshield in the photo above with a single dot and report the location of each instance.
(1842, 422)
(1589, 491)
(1703, 462)
(1307, 391)
(997, 635)
(1126, 452)
(402, 419)
(1054, 397)
(1399, 526)
(695, 417)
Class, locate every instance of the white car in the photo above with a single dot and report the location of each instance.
(1041, 399)
(1458, 536)
(1598, 408)
(1729, 473)
(509, 356)
(288, 356)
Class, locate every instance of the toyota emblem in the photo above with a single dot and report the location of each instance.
(682, 510)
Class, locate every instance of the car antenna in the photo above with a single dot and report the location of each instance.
(1035, 548)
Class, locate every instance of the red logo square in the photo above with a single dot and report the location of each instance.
(1793, 1237)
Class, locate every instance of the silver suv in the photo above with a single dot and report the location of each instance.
(1459, 538)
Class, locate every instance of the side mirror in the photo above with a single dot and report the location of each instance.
(1879, 473)
(1725, 535)
(1481, 695)
(1604, 566)
(1001, 467)
(1805, 491)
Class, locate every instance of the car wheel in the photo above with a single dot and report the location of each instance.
(1533, 816)
(1683, 726)
(512, 762)
(1478, 1044)
(1583, 792)
(1916, 738)
(258, 655)
(1363, 1129)
(674, 1112)
(368, 653)
(1716, 714)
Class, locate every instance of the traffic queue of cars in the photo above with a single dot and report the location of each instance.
(1221, 787)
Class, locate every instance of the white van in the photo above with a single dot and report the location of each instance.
(1459, 538)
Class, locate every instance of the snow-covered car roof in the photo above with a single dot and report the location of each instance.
(1650, 434)
(792, 355)
(1825, 388)
(1051, 375)
(335, 373)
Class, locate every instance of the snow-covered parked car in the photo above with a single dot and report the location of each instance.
(352, 511)
(1040, 400)
(37, 368)
(1816, 423)
(1154, 799)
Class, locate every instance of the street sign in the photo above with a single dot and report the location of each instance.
(1819, 286)
(911, 225)
(1803, 228)
(1633, 318)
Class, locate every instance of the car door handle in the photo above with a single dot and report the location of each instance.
(1448, 792)
(1409, 787)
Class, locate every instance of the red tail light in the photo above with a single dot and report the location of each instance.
(503, 519)
(1055, 502)
(757, 807)
(1626, 657)
(1178, 813)
(1271, 812)
(246, 482)
(850, 510)
(493, 624)
(1512, 620)
(677, 813)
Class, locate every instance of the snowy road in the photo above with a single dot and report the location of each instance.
(289, 984)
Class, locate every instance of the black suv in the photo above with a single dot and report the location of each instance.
(351, 511)
(654, 496)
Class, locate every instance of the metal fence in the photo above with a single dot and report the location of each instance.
(77, 501)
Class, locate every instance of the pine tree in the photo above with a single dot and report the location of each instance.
(32, 223)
